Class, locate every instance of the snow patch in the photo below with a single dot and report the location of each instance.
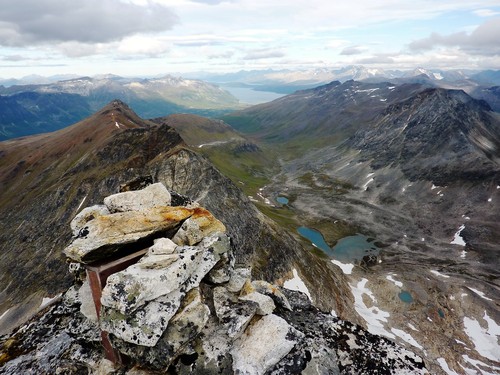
(117, 124)
(412, 327)
(398, 283)
(345, 267)
(439, 274)
(365, 186)
(485, 339)
(406, 337)
(489, 199)
(367, 90)
(297, 284)
(48, 300)
(463, 254)
(480, 366)
(458, 239)
(373, 316)
(5, 313)
(480, 294)
(80, 205)
(444, 366)
(433, 187)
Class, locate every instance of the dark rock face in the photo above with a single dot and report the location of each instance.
(438, 135)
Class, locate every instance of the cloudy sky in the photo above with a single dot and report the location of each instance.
(151, 37)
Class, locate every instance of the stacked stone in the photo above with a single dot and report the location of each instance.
(183, 298)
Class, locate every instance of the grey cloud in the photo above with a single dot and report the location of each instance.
(353, 50)
(482, 41)
(263, 54)
(85, 21)
(14, 58)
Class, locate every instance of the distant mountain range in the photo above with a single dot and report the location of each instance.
(37, 108)
(474, 82)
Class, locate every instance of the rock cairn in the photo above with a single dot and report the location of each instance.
(183, 298)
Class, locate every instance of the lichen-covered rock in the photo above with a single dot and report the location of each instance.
(270, 290)
(222, 271)
(265, 304)
(263, 344)
(139, 301)
(147, 324)
(234, 315)
(152, 196)
(188, 322)
(158, 275)
(106, 234)
(238, 278)
(201, 224)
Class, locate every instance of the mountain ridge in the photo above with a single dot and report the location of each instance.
(32, 109)
(77, 166)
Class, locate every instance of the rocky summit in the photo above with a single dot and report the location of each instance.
(156, 290)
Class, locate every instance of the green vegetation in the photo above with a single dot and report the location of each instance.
(322, 181)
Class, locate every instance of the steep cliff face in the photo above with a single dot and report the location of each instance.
(47, 179)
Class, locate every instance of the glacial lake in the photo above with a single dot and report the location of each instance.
(316, 239)
(348, 249)
(282, 200)
(405, 297)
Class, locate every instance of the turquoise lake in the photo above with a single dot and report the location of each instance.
(282, 200)
(405, 297)
(348, 249)
(316, 239)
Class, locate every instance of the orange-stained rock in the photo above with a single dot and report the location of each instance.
(201, 224)
(105, 235)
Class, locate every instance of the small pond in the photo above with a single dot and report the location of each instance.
(282, 200)
(405, 297)
(348, 249)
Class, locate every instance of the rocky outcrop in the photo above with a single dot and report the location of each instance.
(184, 308)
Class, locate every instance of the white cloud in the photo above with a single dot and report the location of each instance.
(84, 21)
(486, 13)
